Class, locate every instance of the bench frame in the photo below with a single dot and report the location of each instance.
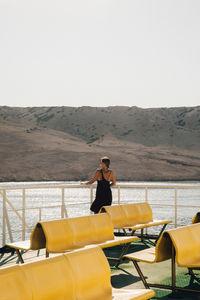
(140, 226)
(39, 241)
(143, 236)
(173, 286)
(168, 247)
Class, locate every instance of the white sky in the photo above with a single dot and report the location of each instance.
(100, 52)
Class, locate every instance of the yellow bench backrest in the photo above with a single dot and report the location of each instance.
(196, 218)
(72, 233)
(50, 279)
(77, 275)
(38, 239)
(145, 212)
(102, 228)
(129, 214)
(91, 273)
(82, 231)
(163, 249)
(14, 284)
(117, 215)
(186, 242)
(132, 214)
(58, 235)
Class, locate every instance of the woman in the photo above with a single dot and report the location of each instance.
(103, 192)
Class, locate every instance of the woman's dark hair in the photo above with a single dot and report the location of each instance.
(106, 161)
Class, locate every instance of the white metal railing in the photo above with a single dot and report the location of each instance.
(20, 213)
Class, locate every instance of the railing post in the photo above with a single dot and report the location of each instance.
(146, 194)
(175, 207)
(63, 203)
(146, 200)
(119, 195)
(40, 214)
(4, 219)
(23, 214)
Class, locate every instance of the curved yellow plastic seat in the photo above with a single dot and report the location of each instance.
(186, 241)
(102, 228)
(14, 284)
(91, 273)
(82, 231)
(78, 275)
(138, 294)
(133, 216)
(64, 235)
(50, 279)
(145, 212)
(95, 283)
(57, 233)
(161, 252)
(117, 215)
(196, 218)
(181, 244)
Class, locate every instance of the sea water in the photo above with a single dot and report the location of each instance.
(45, 203)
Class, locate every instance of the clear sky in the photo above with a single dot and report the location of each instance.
(100, 52)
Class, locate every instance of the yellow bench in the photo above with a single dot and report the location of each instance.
(70, 276)
(180, 244)
(73, 233)
(134, 216)
(196, 218)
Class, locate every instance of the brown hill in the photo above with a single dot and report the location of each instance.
(65, 143)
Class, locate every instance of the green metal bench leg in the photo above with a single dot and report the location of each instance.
(163, 228)
(19, 255)
(140, 274)
(124, 250)
(193, 276)
(124, 230)
(173, 268)
(173, 286)
(142, 235)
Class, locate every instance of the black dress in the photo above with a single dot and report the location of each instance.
(103, 195)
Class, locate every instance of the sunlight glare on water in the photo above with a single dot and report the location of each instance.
(77, 201)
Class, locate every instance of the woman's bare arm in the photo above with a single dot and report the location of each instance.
(113, 179)
(94, 178)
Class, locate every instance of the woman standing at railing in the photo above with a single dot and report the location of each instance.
(105, 179)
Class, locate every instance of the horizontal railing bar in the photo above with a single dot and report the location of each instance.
(178, 205)
(16, 231)
(85, 203)
(167, 205)
(37, 207)
(88, 186)
(55, 206)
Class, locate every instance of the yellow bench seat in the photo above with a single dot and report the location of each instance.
(137, 294)
(64, 235)
(78, 275)
(22, 245)
(136, 216)
(118, 240)
(146, 255)
(181, 245)
(196, 218)
(146, 225)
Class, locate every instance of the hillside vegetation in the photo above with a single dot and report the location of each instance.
(65, 143)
